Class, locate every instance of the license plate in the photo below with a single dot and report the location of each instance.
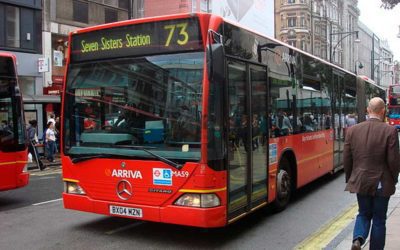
(126, 211)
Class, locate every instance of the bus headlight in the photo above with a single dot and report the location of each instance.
(198, 200)
(25, 169)
(391, 123)
(73, 188)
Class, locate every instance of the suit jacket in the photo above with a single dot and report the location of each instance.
(371, 155)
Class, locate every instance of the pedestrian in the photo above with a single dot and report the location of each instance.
(371, 165)
(4, 126)
(51, 119)
(50, 141)
(33, 140)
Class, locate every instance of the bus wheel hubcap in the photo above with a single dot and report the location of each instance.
(283, 184)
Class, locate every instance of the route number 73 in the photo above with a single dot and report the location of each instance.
(183, 35)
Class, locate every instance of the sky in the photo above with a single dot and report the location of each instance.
(384, 23)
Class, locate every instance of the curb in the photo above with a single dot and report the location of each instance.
(33, 166)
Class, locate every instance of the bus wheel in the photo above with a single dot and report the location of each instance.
(283, 186)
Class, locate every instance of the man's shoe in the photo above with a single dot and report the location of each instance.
(356, 245)
(43, 167)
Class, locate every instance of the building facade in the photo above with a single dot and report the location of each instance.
(60, 17)
(364, 51)
(385, 64)
(324, 28)
(376, 57)
(293, 24)
(350, 47)
(396, 72)
(20, 34)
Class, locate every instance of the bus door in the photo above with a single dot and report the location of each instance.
(339, 119)
(247, 108)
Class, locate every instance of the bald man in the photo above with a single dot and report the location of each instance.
(371, 165)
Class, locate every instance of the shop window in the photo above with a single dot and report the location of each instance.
(27, 85)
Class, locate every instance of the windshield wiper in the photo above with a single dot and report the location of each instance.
(87, 157)
(146, 149)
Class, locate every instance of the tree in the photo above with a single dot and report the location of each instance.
(389, 4)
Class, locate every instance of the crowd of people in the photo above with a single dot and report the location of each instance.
(281, 124)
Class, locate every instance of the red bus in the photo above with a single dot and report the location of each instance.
(193, 120)
(394, 106)
(13, 149)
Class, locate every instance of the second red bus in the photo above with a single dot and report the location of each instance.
(13, 149)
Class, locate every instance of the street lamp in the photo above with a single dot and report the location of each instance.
(360, 66)
(349, 33)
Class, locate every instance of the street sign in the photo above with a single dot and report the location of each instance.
(43, 65)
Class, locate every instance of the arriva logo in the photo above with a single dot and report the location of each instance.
(122, 173)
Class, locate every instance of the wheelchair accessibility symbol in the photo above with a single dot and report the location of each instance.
(165, 178)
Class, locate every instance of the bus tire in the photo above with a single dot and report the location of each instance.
(284, 185)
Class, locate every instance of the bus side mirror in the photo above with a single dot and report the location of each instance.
(215, 62)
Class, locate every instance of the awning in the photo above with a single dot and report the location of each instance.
(35, 99)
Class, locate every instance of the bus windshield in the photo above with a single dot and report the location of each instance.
(12, 132)
(127, 107)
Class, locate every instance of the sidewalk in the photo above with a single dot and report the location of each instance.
(57, 162)
(392, 226)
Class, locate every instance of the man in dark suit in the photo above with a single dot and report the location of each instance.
(371, 165)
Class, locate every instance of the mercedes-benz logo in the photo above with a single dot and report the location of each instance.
(124, 190)
(123, 164)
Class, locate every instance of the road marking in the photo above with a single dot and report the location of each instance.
(321, 238)
(45, 202)
(57, 171)
(43, 178)
(120, 229)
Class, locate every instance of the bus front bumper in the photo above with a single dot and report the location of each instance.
(188, 216)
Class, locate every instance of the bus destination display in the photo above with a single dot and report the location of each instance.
(139, 39)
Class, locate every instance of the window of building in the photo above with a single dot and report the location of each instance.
(113, 3)
(317, 29)
(291, 21)
(12, 27)
(303, 21)
(291, 1)
(123, 4)
(80, 10)
(140, 7)
(303, 45)
(27, 85)
(110, 15)
(204, 6)
(292, 43)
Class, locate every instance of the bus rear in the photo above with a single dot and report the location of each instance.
(133, 123)
(393, 113)
(13, 150)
